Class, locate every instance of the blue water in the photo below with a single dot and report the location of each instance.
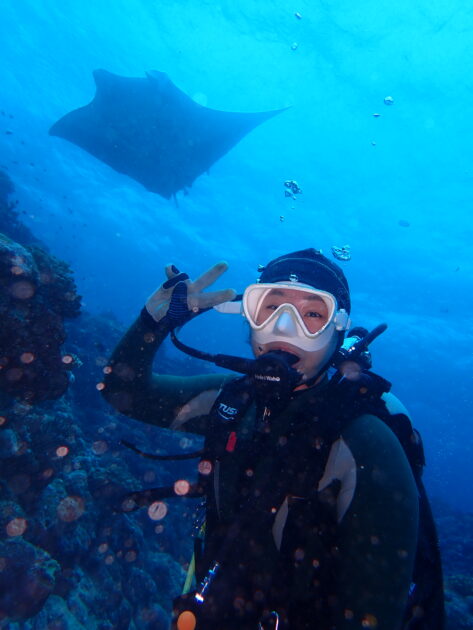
(361, 175)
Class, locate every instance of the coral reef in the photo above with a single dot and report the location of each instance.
(36, 292)
(64, 532)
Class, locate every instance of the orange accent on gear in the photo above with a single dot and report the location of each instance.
(186, 621)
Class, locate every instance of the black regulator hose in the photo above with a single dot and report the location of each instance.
(236, 364)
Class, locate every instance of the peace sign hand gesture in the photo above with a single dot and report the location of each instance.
(179, 298)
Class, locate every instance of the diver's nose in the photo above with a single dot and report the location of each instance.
(285, 325)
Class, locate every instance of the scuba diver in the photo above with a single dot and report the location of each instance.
(310, 474)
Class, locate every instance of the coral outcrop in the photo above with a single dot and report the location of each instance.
(37, 292)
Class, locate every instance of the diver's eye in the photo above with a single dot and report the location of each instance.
(314, 314)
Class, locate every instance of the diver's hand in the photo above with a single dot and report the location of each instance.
(179, 298)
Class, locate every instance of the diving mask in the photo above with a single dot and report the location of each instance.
(295, 313)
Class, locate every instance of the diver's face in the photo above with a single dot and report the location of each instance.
(312, 308)
(315, 315)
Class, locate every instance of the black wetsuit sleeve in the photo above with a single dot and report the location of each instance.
(133, 389)
(378, 531)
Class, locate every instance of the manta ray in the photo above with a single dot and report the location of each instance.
(148, 129)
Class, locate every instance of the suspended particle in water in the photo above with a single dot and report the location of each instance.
(128, 505)
(27, 357)
(16, 527)
(181, 487)
(62, 451)
(22, 290)
(102, 548)
(376, 115)
(205, 467)
(100, 386)
(403, 223)
(67, 359)
(109, 560)
(130, 556)
(70, 509)
(281, 218)
(388, 100)
(294, 46)
(2, 420)
(298, 15)
(369, 621)
(157, 510)
(107, 369)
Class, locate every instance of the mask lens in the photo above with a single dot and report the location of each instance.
(313, 309)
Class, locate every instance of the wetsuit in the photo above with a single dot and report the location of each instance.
(339, 555)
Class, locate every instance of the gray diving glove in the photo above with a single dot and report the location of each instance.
(179, 298)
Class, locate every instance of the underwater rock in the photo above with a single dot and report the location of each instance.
(459, 602)
(36, 292)
(168, 574)
(27, 579)
(140, 587)
(9, 444)
(57, 616)
(151, 617)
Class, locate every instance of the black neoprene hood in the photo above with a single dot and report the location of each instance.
(310, 267)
